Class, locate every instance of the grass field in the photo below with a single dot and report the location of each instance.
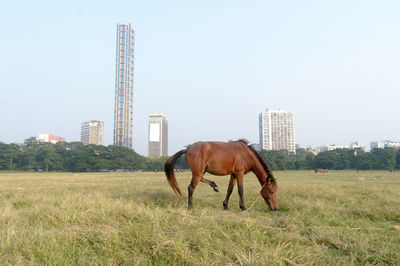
(134, 218)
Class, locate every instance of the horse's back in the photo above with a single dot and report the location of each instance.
(218, 158)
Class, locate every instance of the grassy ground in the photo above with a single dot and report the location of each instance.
(134, 218)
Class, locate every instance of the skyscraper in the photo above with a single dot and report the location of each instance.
(92, 132)
(158, 136)
(276, 130)
(123, 109)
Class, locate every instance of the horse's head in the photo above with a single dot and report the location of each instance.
(270, 194)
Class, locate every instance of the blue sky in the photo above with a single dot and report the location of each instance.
(210, 66)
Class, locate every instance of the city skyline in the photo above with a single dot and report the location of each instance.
(208, 72)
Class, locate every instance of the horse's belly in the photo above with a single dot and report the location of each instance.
(219, 169)
(218, 172)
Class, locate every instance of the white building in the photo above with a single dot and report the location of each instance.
(123, 108)
(158, 136)
(331, 147)
(92, 132)
(276, 130)
(384, 144)
(358, 145)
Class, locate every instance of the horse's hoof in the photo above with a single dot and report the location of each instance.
(243, 209)
(216, 189)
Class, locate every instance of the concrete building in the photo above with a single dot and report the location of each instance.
(123, 109)
(158, 136)
(92, 132)
(384, 144)
(331, 147)
(276, 130)
(358, 145)
(50, 138)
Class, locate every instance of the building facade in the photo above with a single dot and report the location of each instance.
(331, 147)
(358, 145)
(92, 132)
(123, 108)
(158, 136)
(384, 144)
(276, 130)
(50, 138)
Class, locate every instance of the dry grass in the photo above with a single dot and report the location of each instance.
(135, 218)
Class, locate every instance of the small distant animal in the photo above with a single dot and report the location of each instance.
(235, 158)
(319, 170)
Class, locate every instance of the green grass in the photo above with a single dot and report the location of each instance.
(135, 218)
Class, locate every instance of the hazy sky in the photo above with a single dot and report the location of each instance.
(210, 66)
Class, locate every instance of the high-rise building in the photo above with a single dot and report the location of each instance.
(276, 130)
(123, 109)
(158, 136)
(92, 132)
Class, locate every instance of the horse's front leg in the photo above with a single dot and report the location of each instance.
(231, 185)
(240, 191)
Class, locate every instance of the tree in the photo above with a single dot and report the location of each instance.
(325, 160)
(304, 159)
(386, 158)
(364, 161)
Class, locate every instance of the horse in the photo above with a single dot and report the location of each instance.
(234, 158)
(319, 170)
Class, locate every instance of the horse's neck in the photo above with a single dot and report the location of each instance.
(259, 171)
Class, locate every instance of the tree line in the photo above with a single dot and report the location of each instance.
(77, 157)
(339, 159)
(73, 157)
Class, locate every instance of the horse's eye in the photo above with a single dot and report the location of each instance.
(271, 192)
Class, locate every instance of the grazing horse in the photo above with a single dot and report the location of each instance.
(319, 170)
(235, 158)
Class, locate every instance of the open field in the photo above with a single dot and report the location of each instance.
(135, 218)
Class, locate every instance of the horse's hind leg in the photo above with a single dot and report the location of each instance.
(210, 183)
(229, 191)
(191, 187)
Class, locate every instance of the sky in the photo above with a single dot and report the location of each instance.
(209, 66)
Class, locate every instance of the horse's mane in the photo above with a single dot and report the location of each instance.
(260, 159)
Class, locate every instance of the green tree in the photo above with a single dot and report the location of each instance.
(364, 161)
(49, 159)
(386, 158)
(304, 159)
(325, 160)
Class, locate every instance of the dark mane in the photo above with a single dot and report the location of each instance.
(245, 141)
(262, 162)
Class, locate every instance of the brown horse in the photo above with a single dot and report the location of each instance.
(319, 170)
(234, 158)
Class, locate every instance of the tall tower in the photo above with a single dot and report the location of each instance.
(276, 130)
(158, 136)
(92, 132)
(123, 109)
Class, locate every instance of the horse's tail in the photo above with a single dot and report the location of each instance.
(169, 171)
